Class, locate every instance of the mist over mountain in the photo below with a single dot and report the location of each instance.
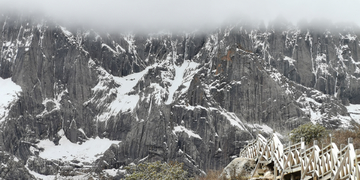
(85, 97)
(157, 15)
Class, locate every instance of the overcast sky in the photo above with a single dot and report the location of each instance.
(186, 14)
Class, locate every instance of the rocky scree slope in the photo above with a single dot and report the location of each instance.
(195, 98)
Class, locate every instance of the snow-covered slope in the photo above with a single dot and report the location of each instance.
(9, 93)
(88, 151)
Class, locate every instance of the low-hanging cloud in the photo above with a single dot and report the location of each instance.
(184, 14)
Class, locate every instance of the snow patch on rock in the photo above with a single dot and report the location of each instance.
(65, 31)
(119, 97)
(9, 94)
(266, 129)
(88, 151)
(290, 60)
(183, 76)
(56, 104)
(187, 131)
(354, 111)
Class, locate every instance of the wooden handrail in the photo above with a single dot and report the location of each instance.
(328, 162)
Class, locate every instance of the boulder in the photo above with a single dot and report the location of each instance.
(239, 167)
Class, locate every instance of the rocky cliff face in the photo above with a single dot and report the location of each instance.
(191, 97)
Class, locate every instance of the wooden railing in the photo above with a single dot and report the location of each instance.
(296, 162)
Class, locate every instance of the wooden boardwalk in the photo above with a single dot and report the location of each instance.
(298, 162)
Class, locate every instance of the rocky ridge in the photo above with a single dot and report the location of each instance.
(193, 97)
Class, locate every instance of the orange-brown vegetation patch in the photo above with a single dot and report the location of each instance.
(218, 69)
(230, 53)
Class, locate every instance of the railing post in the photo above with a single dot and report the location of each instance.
(290, 146)
(356, 166)
(315, 142)
(302, 144)
(321, 160)
(350, 141)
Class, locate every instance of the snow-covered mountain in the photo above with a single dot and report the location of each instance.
(77, 102)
